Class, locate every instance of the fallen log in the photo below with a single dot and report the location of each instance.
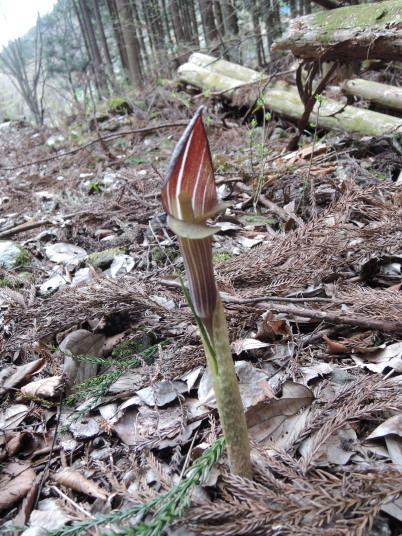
(386, 96)
(284, 99)
(365, 31)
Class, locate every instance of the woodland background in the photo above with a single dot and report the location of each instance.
(86, 50)
(107, 418)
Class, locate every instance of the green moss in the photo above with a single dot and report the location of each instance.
(220, 163)
(23, 258)
(119, 105)
(377, 173)
(128, 349)
(255, 219)
(159, 255)
(360, 16)
(105, 257)
(218, 257)
(6, 283)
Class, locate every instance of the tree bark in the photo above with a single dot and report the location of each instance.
(130, 42)
(272, 21)
(253, 8)
(93, 44)
(208, 22)
(284, 99)
(328, 4)
(105, 46)
(231, 25)
(219, 18)
(361, 32)
(118, 34)
(177, 22)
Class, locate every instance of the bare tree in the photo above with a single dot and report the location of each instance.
(26, 73)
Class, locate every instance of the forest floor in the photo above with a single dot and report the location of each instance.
(308, 263)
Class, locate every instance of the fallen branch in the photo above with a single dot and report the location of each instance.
(362, 322)
(387, 96)
(284, 100)
(361, 32)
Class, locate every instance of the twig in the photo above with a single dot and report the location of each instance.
(273, 207)
(226, 298)
(24, 227)
(73, 503)
(333, 318)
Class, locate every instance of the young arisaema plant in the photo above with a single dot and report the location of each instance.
(190, 199)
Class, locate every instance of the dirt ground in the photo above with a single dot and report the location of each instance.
(105, 401)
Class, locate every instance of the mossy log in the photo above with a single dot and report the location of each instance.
(365, 31)
(284, 100)
(386, 96)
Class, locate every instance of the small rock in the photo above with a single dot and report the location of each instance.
(103, 259)
(279, 134)
(119, 105)
(56, 140)
(12, 255)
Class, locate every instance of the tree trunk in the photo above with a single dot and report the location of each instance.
(118, 35)
(219, 19)
(93, 44)
(284, 99)
(190, 33)
(272, 21)
(24, 81)
(167, 24)
(208, 22)
(177, 22)
(231, 24)
(105, 47)
(253, 8)
(128, 30)
(361, 32)
(144, 51)
(91, 60)
(190, 6)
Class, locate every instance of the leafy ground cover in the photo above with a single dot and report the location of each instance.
(108, 418)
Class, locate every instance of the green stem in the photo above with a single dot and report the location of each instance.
(228, 399)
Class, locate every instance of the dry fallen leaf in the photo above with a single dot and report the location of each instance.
(81, 342)
(337, 449)
(13, 376)
(391, 431)
(161, 393)
(67, 254)
(389, 357)
(16, 488)
(11, 417)
(252, 385)
(44, 388)
(272, 420)
(315, 370)
(76, 481)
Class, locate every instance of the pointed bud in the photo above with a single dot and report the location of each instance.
(189, 198)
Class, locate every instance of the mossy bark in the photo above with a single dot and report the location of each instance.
(361, 32)
(386, 96)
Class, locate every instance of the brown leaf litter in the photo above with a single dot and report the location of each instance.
(311, 285)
